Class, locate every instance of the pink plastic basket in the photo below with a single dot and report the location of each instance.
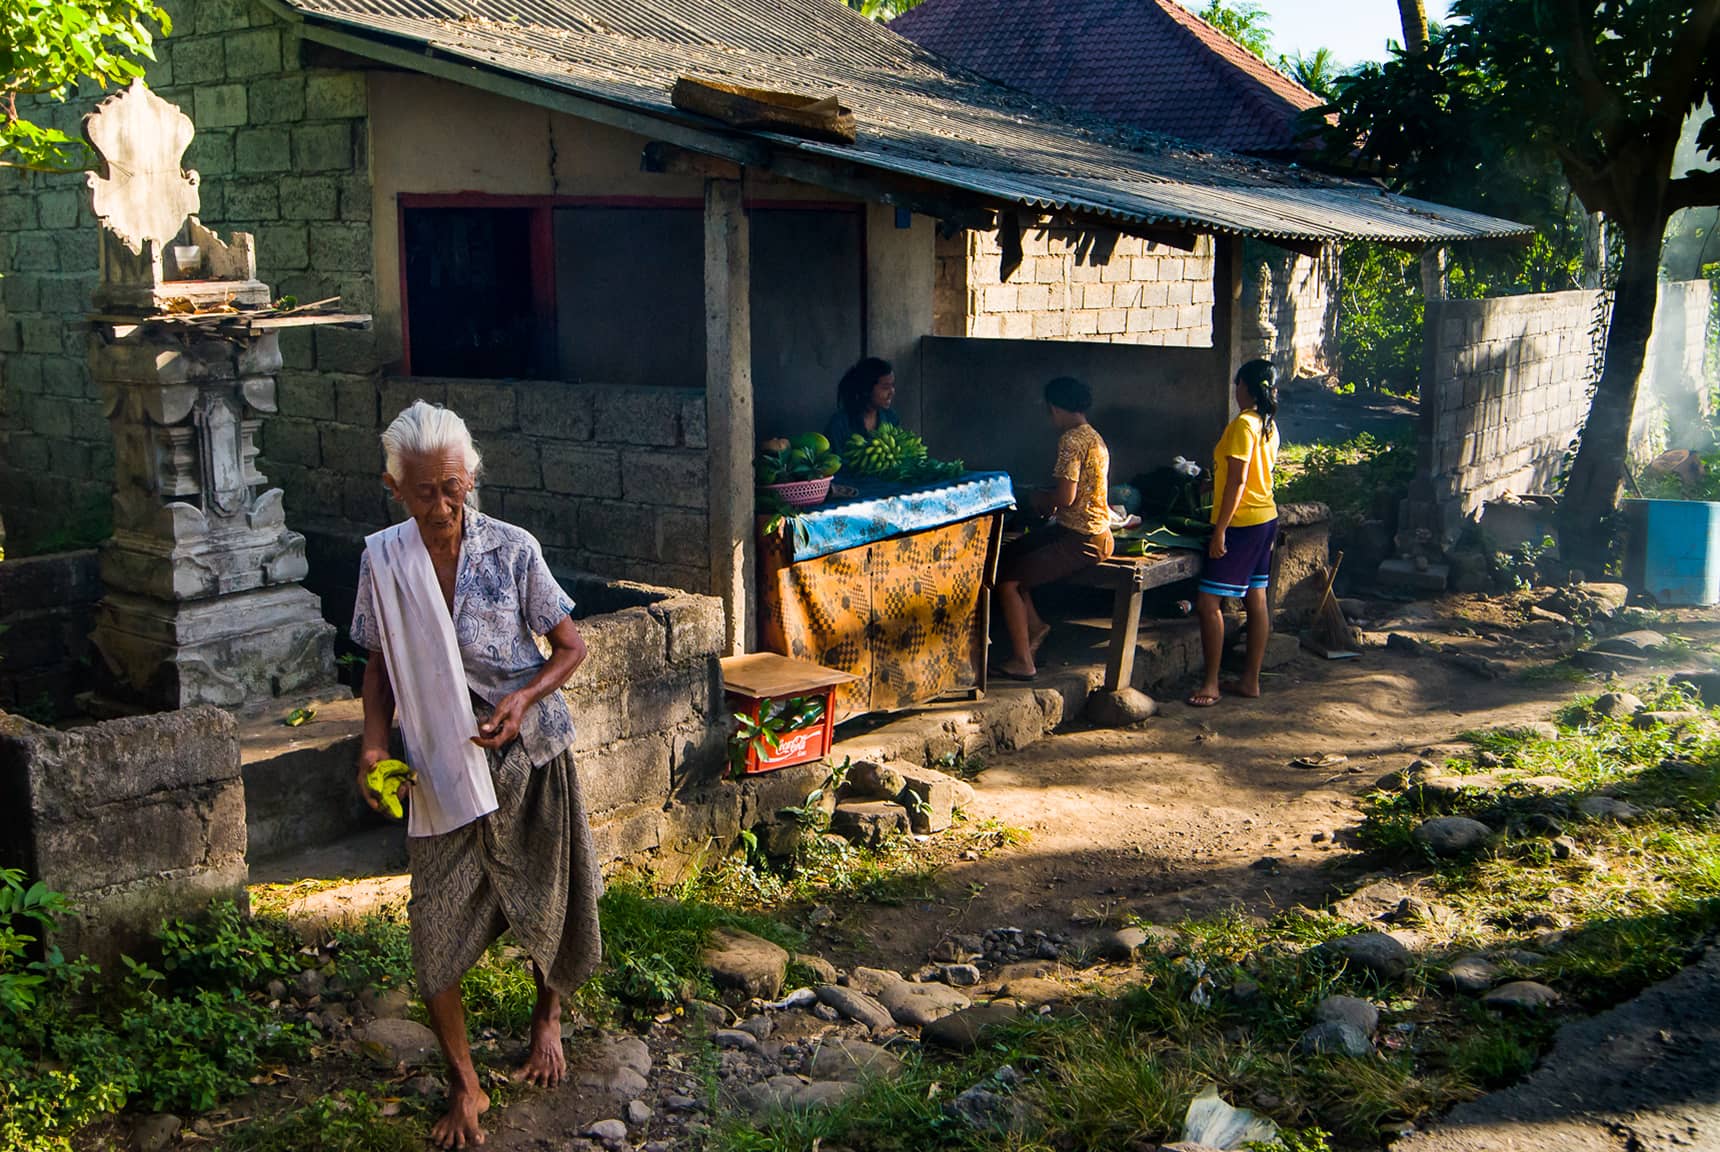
(802, 493)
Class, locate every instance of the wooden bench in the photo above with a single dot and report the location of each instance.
(1131, 576)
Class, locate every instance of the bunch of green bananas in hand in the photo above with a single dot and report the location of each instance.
(892, 453)
(385, 779)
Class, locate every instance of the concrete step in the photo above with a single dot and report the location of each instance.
(301, 783)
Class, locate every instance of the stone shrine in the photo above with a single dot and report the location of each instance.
(203, 603)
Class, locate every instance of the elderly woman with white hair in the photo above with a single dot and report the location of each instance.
(450, 603)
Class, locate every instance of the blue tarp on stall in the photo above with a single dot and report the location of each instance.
(880, 510)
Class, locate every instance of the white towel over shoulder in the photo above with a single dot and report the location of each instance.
(454, 786)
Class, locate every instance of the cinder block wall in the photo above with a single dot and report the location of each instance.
(281, 150)
(47, 606)
(1290, 309)
(136, 820)
(1142, 294)
(1505, 389)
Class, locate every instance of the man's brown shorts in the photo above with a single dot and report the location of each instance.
(1049, 554)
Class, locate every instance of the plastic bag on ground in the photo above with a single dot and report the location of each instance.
(1212, 1123)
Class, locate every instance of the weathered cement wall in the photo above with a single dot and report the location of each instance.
(1289, 312)
(47, 606)
(136, 820)
(1137, 293)
(1505, 389)
(281, 150)
(984, 402)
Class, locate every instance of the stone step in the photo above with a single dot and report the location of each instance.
(301, 783)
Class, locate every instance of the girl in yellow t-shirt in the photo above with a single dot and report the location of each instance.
(1244, 525)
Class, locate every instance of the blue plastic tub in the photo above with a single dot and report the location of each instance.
(1674, 553)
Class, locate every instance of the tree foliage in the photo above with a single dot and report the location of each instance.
(1243, 21)
(47, 49)
(1317, 71)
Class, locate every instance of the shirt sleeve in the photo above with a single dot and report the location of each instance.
(365, 631)
(1238, 441)
(541, 597)
(1068, 466)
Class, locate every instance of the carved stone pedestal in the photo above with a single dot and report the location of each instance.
(203, 604)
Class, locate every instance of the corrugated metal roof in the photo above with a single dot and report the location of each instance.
(1150, 63)
(919, 115)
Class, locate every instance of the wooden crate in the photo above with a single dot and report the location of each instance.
(752, 682)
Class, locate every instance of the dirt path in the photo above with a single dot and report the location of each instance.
(1198, 810)
(1638, 1078)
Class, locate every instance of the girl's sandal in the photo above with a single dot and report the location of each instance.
(1201, 700)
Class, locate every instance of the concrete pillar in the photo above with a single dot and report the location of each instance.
(1227, 324)
(729, 408)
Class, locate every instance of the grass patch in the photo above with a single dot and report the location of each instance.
(348, 1121)
(1348, 477)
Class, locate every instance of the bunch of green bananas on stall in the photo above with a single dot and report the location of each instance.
(894, 454)
(804, 457)
(385, 779)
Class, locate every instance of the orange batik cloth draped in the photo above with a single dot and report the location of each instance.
(906, 616)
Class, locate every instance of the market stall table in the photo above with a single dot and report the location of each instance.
(892, 584)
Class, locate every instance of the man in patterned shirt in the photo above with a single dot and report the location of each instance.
(1079, 535)
(450, 604)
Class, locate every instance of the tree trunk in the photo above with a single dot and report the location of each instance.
(1591, 493)
(1413, 13)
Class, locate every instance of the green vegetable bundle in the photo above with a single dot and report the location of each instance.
(805, 457)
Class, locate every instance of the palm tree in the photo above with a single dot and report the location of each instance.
(881, 10)
(1314, 70)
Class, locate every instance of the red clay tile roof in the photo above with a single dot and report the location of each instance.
(1150, 63)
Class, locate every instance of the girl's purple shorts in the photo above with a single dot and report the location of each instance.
(1246, 563)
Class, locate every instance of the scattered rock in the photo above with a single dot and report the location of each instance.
(932, 800)
(758, 1027)
(638, 1114)
(823, 971)
(1376, 952)
(1351, 1010)
(1370, 902)
(1408, 645)
(1034, 992)
(1614, 704)
(1245, 991)
(1520, 996)
(1442, 793)
(713, 1015)
(957, 948)
(1126, 943)
(869, 780)
(1613, 662)
(1607, 808)
(609, 1131)
(1024, 970)
(964, 1031)
(826, 1013)
(987, 1111)
(1545, 785)
(1472, 974)
(857, 1006)
(838, 1059)
(872, 980)
(426, 1086)
(1535, 729)
(392, 1042)
(276, 989)
(734, 1038)
(1643, 642)
(917, 1005)
(959, 975)
(1672, 719)
(869, 823)
(1121, 708)
(1477, 666)
(1335, 1038)
(741, 962)
(153, 1133)
(1450, 837)
(385, 1003)
(309, 984)
(678, 1103)
(1565, 848)
(620, 1065)
(792, 1094)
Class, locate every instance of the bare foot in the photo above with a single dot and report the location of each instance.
(1012, 670)
(1238, 688)
(546, 1064)
(459, 1127)
(1037, 638)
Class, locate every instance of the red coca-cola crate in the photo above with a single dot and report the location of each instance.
(757, 681)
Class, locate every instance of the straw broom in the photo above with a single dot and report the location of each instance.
(1331, 631)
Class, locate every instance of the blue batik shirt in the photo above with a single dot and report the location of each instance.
(504, 598)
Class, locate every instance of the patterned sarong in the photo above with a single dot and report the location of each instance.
(529, 867)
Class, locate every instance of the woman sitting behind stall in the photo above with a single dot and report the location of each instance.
(1080, 536)
(863, 399)
(1244, 525)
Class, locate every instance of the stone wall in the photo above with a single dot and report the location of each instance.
(1290, 309)
(1066, 289)
(282, 152)
(136, 820)
(1506, 384)
(47, 606)
(611, 480)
